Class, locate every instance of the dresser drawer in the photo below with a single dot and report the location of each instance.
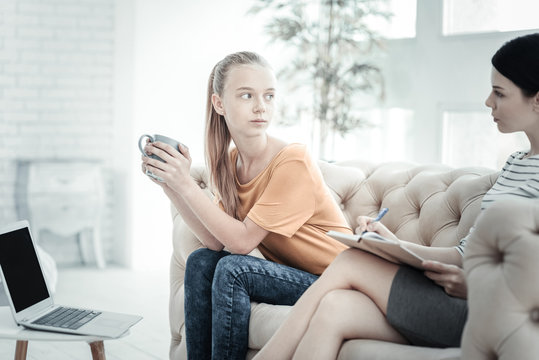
(64, 177)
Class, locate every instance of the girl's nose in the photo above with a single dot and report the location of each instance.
(260, 106)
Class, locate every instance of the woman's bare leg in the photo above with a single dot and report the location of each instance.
(342, 315)
(352, 269)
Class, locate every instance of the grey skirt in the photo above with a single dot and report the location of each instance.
(422, 312)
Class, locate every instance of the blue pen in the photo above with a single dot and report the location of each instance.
(378, 217)
(381, 214)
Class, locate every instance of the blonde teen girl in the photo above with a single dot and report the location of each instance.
(269, 195)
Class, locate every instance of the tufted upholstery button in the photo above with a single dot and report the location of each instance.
(202, 185)
(534, 315)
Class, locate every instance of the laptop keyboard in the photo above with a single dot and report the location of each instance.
(66, 318)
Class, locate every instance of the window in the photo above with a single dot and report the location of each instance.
(477, 16)
(470, 138)
(383, 138)
(402, 22)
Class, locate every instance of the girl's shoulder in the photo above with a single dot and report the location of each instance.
(293, 152)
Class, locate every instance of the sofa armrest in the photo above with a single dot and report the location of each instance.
(501, 264)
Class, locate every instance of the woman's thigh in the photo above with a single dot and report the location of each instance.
(362, 271)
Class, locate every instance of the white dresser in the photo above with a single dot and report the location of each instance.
(66, 197)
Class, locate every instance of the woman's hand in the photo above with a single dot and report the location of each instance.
(450, 277)
(366, 223)
(175, 171)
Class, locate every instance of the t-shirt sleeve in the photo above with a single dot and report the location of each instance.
(288, 200)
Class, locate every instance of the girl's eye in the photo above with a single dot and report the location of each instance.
(246, 96)
(270, 97)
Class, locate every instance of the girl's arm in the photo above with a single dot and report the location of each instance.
(237, 236)
(215, 228)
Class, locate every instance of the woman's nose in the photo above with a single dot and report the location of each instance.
(488, 102)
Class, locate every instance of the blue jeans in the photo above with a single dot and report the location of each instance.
(219, 288)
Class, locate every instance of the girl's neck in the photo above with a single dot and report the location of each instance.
(253, 149)
(254, 157)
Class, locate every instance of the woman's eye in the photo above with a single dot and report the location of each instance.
(270, 97)
(246, 96)
(498, 94)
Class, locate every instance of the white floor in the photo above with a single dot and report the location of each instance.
(113, 289)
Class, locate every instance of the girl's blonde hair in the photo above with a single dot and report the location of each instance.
(218, 137)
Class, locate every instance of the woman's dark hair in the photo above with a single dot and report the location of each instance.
(518, 60)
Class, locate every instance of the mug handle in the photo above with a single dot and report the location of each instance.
(140, 146)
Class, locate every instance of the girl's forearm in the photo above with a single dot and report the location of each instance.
(234, 234)
(192, 221)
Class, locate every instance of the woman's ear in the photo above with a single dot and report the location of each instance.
(217, 104)
(536, 102)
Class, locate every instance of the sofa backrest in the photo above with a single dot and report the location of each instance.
(428, 204)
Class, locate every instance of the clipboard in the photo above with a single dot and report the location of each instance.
(378, 245)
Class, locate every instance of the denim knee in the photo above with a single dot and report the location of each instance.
(229, 268)
(201, 265)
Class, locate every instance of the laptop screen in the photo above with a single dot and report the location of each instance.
(21, 269)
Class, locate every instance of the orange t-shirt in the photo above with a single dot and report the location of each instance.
(290, 199)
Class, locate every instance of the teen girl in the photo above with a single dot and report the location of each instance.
(269, 195)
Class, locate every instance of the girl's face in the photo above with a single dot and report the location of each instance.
(247, 102)
(511, 110)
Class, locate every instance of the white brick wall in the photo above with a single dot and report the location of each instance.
(56, 96)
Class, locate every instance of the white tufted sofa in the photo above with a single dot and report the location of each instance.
(502, 265)
(429, 204)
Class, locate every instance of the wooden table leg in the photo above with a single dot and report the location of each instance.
(21, 349)
(98, 350)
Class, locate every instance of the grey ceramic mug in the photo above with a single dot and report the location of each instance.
(154, 138)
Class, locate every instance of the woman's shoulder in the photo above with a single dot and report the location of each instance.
(521, 156)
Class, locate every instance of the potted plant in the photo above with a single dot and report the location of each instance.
(331, 47)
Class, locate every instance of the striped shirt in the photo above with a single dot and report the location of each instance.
(519, 178)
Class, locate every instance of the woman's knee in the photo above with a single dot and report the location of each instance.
(329, 310)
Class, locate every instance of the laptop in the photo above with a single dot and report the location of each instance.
(31, 301)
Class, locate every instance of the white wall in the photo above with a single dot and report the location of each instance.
(56, 97)
(177, 43)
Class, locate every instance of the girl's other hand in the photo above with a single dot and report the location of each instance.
(175, 170)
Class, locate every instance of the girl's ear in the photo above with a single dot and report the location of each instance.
(217, 104)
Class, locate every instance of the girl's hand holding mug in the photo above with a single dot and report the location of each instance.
(164, 159)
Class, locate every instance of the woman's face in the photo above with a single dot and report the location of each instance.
(247, 102)
(511, 110)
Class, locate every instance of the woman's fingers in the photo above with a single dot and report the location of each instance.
(448, 276)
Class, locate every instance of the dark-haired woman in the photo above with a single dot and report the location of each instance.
(361, 296)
